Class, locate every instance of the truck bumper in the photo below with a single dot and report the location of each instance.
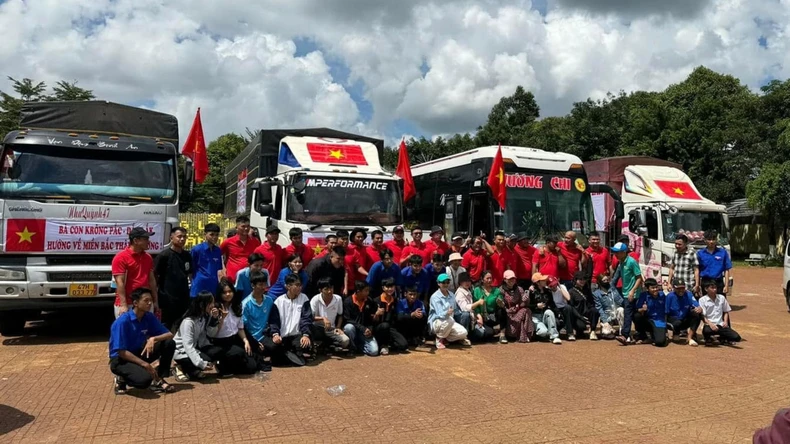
(50, 288)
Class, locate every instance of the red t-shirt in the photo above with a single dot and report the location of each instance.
(353, 262)
(474, 263)
(304, 252)
(498, 263)
(373, 255)
(237, 253)
(442, 248)
(137, 268)
(523, 257)
(548, 264)
(573, 258)
(272, 259)
(396, 248)
(420, 250)
(600, 259)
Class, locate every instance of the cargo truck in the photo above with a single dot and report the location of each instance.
(318, 179)
(76, 178)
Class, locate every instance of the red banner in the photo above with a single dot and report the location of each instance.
(333, 153)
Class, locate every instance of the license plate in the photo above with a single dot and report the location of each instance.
(83, 290)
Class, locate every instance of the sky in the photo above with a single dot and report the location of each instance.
(382, 68)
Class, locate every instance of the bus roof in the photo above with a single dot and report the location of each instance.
(522, 157)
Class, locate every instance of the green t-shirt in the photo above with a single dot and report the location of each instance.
(490, 305)
(631, 272)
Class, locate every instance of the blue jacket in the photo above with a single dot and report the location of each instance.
(421, 281)
(678, 306)
(656, 307)
(278, 289)
(378, 273)
(607, 303)
(439, 306)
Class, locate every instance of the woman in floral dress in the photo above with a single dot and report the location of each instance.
(519, 325)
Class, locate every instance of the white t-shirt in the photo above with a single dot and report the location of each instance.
(714, 310)
(230, 326)
(290, 313)
(464, 299)
(559, 299)
(331, 311)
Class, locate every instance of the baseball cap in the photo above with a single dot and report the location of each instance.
(455, 257)
(619, 247)
(139, 232)
(443, 278)
(272, 229)
(458, 237)
(523, 236)
(553, 282)
(508, 275)
(398, 228)
(678, 282)
(513, 237)
(436, 229)
(537, 277)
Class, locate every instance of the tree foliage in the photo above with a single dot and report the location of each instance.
(770, 193)
(209, 197)
(29, 91)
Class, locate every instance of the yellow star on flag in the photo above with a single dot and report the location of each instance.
(337, 154)
(317, 249)
(25, 235)
(679, 191)
(501, 176)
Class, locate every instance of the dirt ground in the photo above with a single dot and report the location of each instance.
(55, 386)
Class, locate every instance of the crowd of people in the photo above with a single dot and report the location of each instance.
(246, 305)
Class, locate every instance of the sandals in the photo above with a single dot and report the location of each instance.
(161, 386)
(180, 375)
(120, 386)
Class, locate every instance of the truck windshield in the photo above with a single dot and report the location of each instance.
(30, 172)
(694, 224)
(541, 204)
(327, 200)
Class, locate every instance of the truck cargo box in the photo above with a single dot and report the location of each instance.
(259, 159)
(100, 117)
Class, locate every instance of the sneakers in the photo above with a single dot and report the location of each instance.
(120, 386)
(467, 343)
(502, 339)
(693, 343)
(593, 336)
(441, 344)
(571, 338)
(557, 341)
(384, 351)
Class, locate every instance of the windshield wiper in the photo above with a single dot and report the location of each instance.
(121, 198)
(371, 219)
(316, 226)
(36, 196)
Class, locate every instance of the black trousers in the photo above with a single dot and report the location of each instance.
(258, 355)
(235, 359)
(387, 336)
(724, 334)
(644, 323)
(566, 318)
(138, 377)
(580, 325)
(210, 353)
(173, 308)
(678, 326)
(412, 328)
(499, 317)
(288, 351)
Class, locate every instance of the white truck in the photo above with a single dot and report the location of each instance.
(652, 200)
(319, 180)
(76, 178)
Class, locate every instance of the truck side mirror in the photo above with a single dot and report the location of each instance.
(263, 191)
(637, 222)
(189, 177)
(265, 210)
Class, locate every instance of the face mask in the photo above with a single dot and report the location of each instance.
(604, 285)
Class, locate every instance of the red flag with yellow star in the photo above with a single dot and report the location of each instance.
(334, 153)
(195, 149)
(678, 190)
(25, 235)
(496, 179)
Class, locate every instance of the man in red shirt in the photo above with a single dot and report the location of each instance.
(523, 252)
(352, 262)
(298, 247)
(331, 243)
(436, 244)
(375, 248)
(397, 244)
(601, 259)
(547, 259)
(133, 268)
(575, 259)
(272, 253)
(417, 246)
(236, 249)
(475, 259)
(501, 259)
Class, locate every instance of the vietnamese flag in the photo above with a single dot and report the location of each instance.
(316, 244)
(334, 153)
(404, 172)
(195, 149)
(25, 235)
(496, 179)
(678, 190)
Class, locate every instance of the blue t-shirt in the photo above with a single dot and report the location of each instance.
(378, 273)
(713, 265)
(409, 279)
(130, 334)
(678, 306)
(278, 289)
(243, 284)
(256, 317)
(206, 263)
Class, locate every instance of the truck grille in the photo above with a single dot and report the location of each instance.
(80, 260)
(72, 276)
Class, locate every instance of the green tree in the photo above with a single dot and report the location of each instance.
(508, 118)
(65, 91)
(209, 197)
(29, 91)
(770, 194)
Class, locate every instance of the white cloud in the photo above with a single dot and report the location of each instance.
(238, 60)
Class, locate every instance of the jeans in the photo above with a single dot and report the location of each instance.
(545, 324)
(321, 334)
(138, 377)
(464, 318)
(628, 313)
(359, 342)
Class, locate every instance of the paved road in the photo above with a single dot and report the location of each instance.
(55, 387)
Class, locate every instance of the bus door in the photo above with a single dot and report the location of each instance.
(479, 214)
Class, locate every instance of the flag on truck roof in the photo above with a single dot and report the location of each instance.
(195, 149)
(404, 172)
(678, 190)
(336, 153)
(496, 178)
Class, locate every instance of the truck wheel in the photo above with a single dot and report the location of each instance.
(12, 323)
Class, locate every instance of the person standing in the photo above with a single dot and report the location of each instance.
(329, 267)
(684, 264)
(384, 268)
(273, 254)
(330, 244)
(632, 286)
(435, 244)
(523, 253)
(547, 260)
(397, 244)
(237, 249)
(172, 270)
(575, 259)
(475, 259)
(714, 263)
(501, 259)
(298, 247)
(600, 257)
(133, 268)
(207, 262)
(417, 246)
(374, 250)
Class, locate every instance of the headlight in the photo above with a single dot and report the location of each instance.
(10, 274)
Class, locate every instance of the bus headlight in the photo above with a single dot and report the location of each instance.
(12, 274)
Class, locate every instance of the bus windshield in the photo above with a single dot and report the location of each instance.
(346, 200)
(542, 204)
(43, 172)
